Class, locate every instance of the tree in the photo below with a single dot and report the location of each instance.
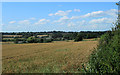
(47, 40)
(78, 38)
(16, 40)
(57, 35)
(40, 40)
(31, 39)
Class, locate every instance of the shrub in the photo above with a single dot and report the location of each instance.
(31, 40)
(40, 40)
(47, 40)
(106, 57)
(16, 40)
(78, 38)
(24, 40)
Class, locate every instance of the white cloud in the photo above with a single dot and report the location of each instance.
(61, 13)
(101, 20)
(69, 11)
(11, 22)
(75, 17)
(103, 17)
(111, 12)
(25, 22)
(94, 26)
(62, 20)
(93, 14)
(83, 22)
(71, 24)
(32, 18)
(42, 21)
(2, 24)
(77, 10)
(51, 14)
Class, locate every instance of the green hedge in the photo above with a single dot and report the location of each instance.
(106, 57)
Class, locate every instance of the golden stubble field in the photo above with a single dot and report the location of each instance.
(56, 57)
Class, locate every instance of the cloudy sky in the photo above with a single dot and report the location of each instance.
(59, 16)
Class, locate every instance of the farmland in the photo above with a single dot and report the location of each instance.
(55, 57)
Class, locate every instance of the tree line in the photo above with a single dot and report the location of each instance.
(31, 37)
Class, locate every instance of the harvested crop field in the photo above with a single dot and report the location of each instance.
(56, 57)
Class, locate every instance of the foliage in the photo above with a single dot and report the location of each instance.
(16, 40)
(47, 40)
(55, 35)
(24, 40)
(106, 58)
(78, 38)
(6, 40)
(31, 40)
(40, 40)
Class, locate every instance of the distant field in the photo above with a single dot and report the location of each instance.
(57, 57)
(41, 35)
(12, 36)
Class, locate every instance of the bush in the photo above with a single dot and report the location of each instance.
(24, 40)
(106, 58)
(31, 40)
(47, 40)
(78, 38)
(16, 40)
(40, 40)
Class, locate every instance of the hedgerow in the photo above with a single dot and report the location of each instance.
(106, 57)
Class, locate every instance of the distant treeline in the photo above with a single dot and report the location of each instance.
(48, 32)
(60, 33)
(53, 35)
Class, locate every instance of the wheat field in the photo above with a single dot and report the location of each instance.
(55, 57)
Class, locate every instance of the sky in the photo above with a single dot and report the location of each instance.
(60, 0)
(58, 16)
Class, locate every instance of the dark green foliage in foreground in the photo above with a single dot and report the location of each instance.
(106, 58)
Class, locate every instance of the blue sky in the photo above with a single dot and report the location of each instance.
(59, 16)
